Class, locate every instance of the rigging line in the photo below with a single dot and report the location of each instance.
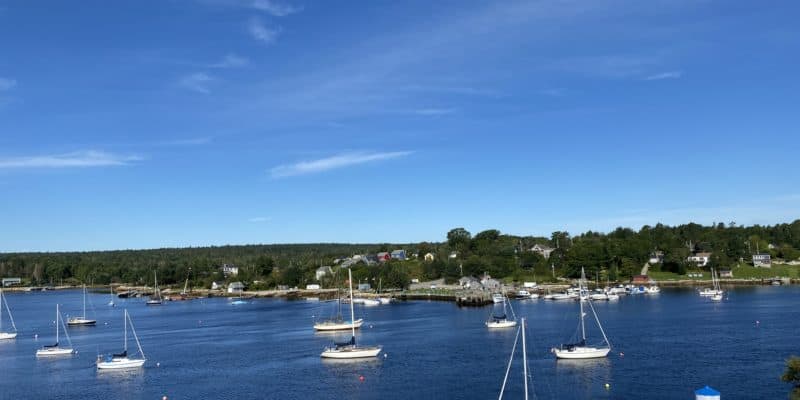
(508, 369)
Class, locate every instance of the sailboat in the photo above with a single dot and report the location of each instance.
(155, 300)
(717, 296)
(349, 349)
(57, 349)
(111, 302)
(4, 334)
(581, 350)
(526, 377)
(121, 360)
(502, 321)
(382, 300)
(337, 323)
(82, 320)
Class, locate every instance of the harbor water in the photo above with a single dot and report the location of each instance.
(663, 347)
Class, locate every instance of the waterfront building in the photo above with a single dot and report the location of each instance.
(398, 255)
(762, 260)
(701, 259)
(726, 273)
(236, 287)
(230, 270)
(542, 250)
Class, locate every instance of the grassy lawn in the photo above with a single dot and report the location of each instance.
(741, 271)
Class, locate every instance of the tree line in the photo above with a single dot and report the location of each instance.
(617, 255)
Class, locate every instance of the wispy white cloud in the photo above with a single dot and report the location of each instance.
(434, 111)
(7, 84)
(259, 31)
(89, 158)
(333, 162)
(197, 82)
(260, 219)
(606, 66)
(665, 75)
(231, 61)
(275, 8)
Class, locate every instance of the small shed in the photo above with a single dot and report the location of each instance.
(429, 256)
(726, 273)
(236, 287)
(641, 279)
(312, 286)
(364, 286)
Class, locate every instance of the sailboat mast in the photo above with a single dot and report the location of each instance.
(580, 300)
(84, 300)
(126, 330)
(352, 309)
(524, 359)
(58, 314)
(1, 310)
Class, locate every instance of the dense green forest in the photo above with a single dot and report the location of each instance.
(616, 255)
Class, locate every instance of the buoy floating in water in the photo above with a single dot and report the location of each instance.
(158, 364)
(385, 355)
(361, 378)
(608, 386)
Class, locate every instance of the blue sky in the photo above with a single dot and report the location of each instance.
(185, 123)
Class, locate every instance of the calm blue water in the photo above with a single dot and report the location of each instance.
(672, 343)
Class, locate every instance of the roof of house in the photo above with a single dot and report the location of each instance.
(236, 285)
(398, 252)
(542, 247)
(383, 254)
(702, 254)
(324, 269)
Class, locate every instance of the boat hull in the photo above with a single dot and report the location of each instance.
(577, 353)
(7, 335)
(153, 302)
(336, 326)
(371, 303)
(500, 324)
(384, 300)
(120, 363)
(54, 352)
(351, 352)
(81, 322)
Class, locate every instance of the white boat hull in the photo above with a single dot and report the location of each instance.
(351, 352)
(81, 321)
(535, 296)
(371, 303)
(500, 324)
(54, 351)
(338, 326)
(385, 300)
(716, 297)
(613, 297)
(120, 363)
(8, 335)
(578, 352)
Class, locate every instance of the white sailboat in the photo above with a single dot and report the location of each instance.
(3, 334)
(82, 320)
(121, 360)
(717, 296)
(381, 299)
(111, 302)
(582, 350)
(337, 323)
(502, 321)
(155, 299)
(526, 377)
(349, 350)
(57, 349)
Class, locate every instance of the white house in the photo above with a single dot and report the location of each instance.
(322, 271)
(469, 282)
(230, 270)
(429, 257)
(701, 259)
(236, 287)
(543, 250)
(453, 254)
(656, 257)
(762, 261)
